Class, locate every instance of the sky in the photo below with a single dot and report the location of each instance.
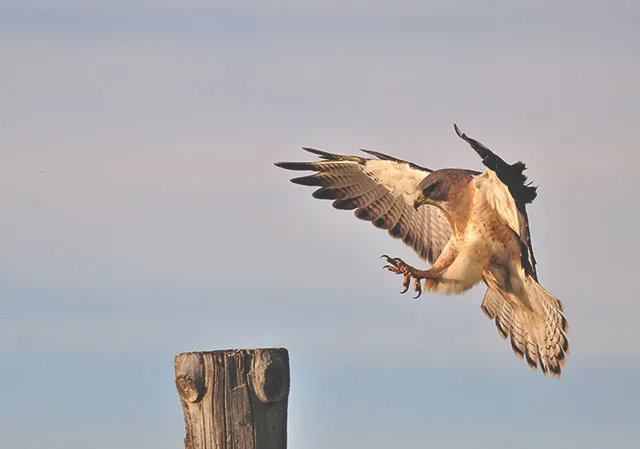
(141, 215)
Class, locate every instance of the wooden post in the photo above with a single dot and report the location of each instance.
(234, 399)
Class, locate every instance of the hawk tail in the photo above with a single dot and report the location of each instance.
(539, 333)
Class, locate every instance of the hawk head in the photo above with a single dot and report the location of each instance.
(442, 186)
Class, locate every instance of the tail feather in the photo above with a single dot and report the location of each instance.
(492, 303)
(537, 334)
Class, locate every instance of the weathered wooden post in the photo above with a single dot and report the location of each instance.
(234, 399)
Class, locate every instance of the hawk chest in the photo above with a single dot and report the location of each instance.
(487, 239)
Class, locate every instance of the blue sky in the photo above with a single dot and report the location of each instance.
(141, 215)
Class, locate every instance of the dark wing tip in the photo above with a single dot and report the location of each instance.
(512, 175)
(326, 193)
(346, 204)
(299, 166)
(531, 361)
(381, 223)
(334, 157)
(322, 154)
(565, 346)
(399, 230)
(379, 155)
(544, 368)
(458, 132)
(519, 352)
(318, 152)
(556, 370)
(307, 181)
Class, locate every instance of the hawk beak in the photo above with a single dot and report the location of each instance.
(418, 200)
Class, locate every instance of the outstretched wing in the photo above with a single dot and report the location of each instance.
(532, 318)
(538, 335)
(537, 331)
(381, 191)
(514, 194)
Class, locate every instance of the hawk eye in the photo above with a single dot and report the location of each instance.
(431, 187)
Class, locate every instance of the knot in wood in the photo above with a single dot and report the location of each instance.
(190, 380)
(270, 376)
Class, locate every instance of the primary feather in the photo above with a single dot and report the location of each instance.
(380, 191)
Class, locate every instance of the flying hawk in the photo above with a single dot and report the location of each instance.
(471, 227)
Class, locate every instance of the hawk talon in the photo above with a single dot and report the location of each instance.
(417, 287)
(398, 266)
(406, 281)
(392, 269)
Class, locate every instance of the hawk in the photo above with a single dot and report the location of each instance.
(470, 226)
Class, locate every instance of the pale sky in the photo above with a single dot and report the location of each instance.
(141, 215)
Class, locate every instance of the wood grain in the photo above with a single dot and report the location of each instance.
(234, 399)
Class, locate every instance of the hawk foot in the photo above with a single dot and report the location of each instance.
(398, 266)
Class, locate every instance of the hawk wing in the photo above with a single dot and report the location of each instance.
(381, 191)
(533, 319)
(515, 194)
(500, 199)
(538, 330)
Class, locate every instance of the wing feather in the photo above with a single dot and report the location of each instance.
(378, 208)
(381, 191)
(540, 336)
(371, 203)
(392, 216)
(325, 179)
(499, 198)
